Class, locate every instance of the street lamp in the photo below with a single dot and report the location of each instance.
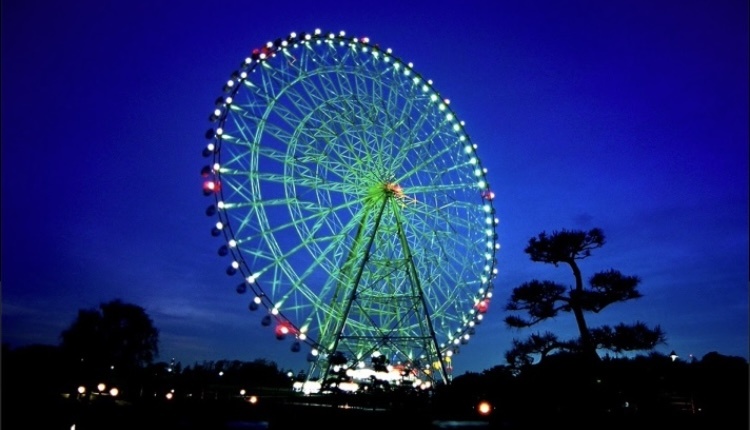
(484, 408)
(673, 355)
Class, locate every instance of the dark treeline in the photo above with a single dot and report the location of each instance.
(618, 393)
(45, 371)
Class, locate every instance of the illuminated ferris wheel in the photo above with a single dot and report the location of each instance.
(354, 208)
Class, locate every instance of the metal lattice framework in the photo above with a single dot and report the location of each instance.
(353, 204)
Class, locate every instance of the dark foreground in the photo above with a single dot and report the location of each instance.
(329, 414)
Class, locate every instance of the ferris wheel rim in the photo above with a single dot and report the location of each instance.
(216, 137)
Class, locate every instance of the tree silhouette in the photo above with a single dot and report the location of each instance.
(116, 336)
(541, 300)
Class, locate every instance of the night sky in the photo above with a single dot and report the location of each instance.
(631, 116)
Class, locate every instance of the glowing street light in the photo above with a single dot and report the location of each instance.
(484, 408)
(673, 355)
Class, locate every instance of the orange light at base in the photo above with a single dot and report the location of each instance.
(484, 408)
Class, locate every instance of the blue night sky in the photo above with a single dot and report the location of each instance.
(631, 116)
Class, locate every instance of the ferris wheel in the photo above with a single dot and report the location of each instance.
(354, 209)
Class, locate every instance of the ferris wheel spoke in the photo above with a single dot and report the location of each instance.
(408, 142)
(281, 228)
(318, 89)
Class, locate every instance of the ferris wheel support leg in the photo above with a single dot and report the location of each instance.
(357, 278)
(414, 276)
